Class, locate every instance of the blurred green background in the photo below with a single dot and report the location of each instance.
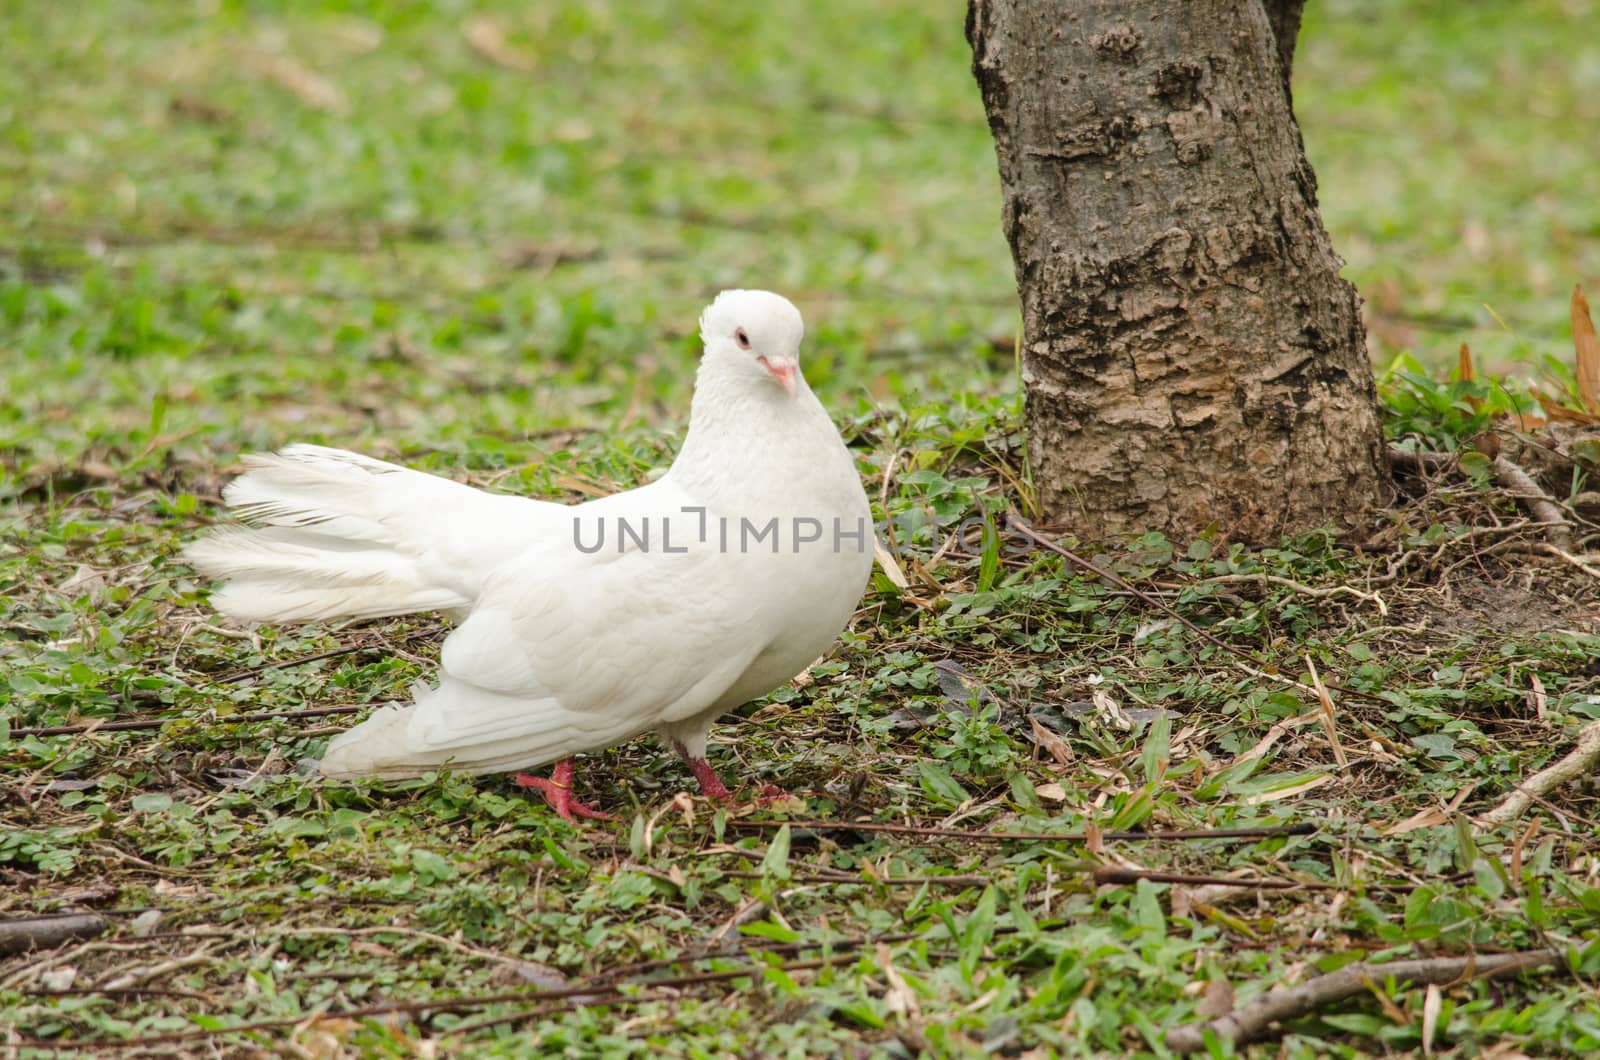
(229, 224)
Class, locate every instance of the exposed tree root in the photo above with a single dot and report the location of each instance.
(1253, 1021)
(1539, 505)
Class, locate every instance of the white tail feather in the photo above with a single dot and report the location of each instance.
(347, 536)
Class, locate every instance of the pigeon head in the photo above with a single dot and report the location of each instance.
(754, 334)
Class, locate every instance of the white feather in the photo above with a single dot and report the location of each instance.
(345, 536)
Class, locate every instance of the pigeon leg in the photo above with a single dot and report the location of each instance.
(711, 785)
(557, 792)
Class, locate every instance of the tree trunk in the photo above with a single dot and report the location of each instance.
(1284, 17)
(1190, 354)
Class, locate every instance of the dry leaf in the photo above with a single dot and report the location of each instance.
(577, 485)
(1109, 710)
(1289, 792)
(1465, 373)
(324, 1038)
(85, 581)
(1518, 847)
(483, 32)
(1218, 999)
(59, 978)
(168, 889)
(1433, 816)
(1559, 413)
(532, 973)
(1093, 841)
(1265, 743)
(1429, 818)
(1503, 1051)
(890, 565)
(1432, 1001)
(1051, 743)
(900, 998)
(308, 86)
(198, 110)
(1052, 792)
(1396, 1014)
(1587, 347)
(358, 35)
(147, 922)
(685, 805)
(1328, 726)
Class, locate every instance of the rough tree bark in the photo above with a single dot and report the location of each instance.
(1284, 18)
(1191, 355)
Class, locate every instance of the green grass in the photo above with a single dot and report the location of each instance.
(1456, 173)
(231, 226)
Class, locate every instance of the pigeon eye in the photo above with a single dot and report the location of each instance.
(741, 338)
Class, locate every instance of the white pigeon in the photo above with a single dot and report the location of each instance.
(657, 609)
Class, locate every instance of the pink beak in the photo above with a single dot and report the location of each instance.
(783, 370)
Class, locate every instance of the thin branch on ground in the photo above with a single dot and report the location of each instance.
(47, 932)
(1509, 477)
(1122, 874)
(1240, 655)
(857, 880)
(547, 1001)
(1253, 1021)
(1554, 550)
(1581, 762)
(1264, 832)
(235, 676)
(1420, 459)
(138, 724)
(135, 976)
(1297, 587)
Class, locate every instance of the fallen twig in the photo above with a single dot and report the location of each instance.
(1162, 606)
(133, 977)
(235, 676)
(846, 879)
(1264, 832)
(1419, 459)
(42, 933)
(546, 1001)
(1252, 1021)
(745, 944)
(1579, 763)
(136, 724)
(1509, 477)
(1122, 874)
(1297, 587)
(1562, 553)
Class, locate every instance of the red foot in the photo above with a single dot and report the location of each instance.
(557, 792)
(771, 793)
(712, 787)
